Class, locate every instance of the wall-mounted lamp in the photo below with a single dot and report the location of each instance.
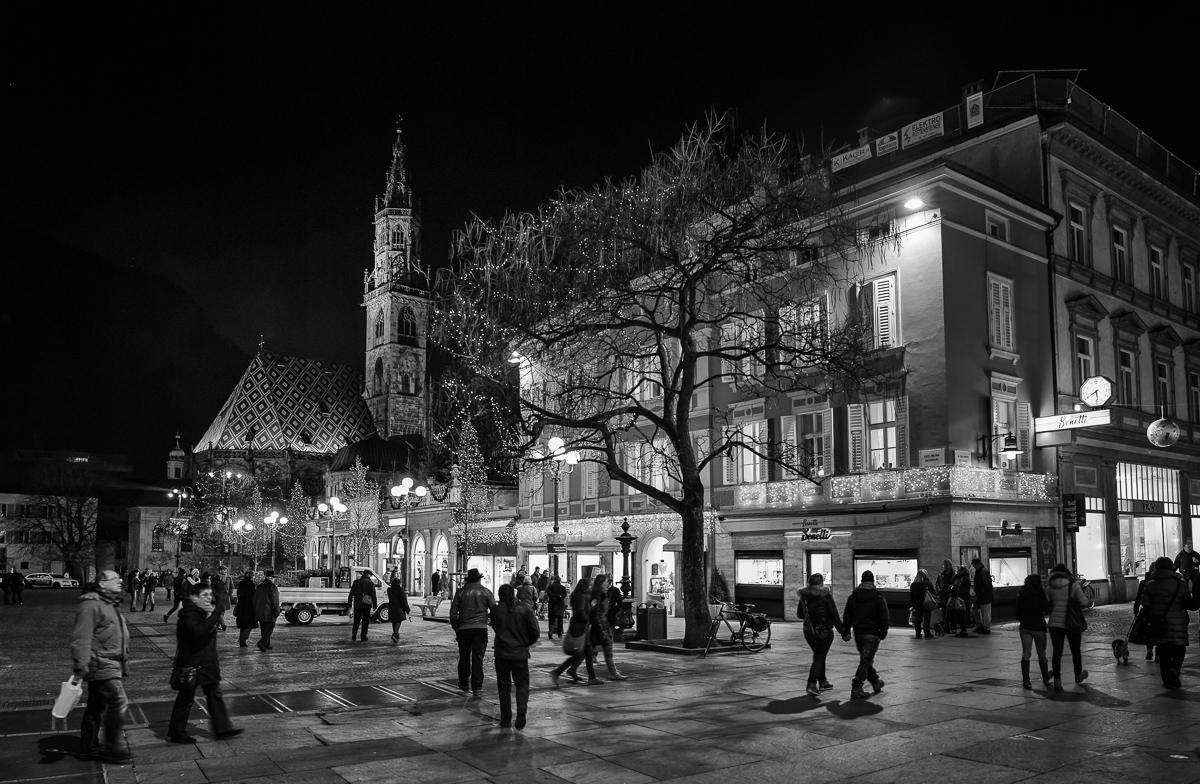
(915, 203)
(1008, 452)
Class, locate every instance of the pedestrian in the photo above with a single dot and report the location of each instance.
(180, 584)
(1032, 607)
(435, 582)
(243, 611)
(167, 580)
(581, 611)
(149, 584)
(16, 585)
(516, 630)
(4, 587)
(602, 635)
(960, 601)
(556, 607)
(1063, 587)
(469, 616)
(866, 615)
(820, 615)
(1167, 596)
(1137, 605)
(99, 657)
(196, 646)
(984, 595)
(615, 602)
(133, 584)
(222, 586)
(920, 597)
(527, 594)
(1187, 563)
(945, 592)
(398, 608)
(543, 581)
(362, 601)
(266, 609)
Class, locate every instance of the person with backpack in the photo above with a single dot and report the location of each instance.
(920, 597)
(866, 615)
(820, 615)
(362, 601)
(1032, 607)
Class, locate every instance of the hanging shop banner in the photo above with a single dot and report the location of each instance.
(886, 144)
(852, 157)
(1047, 551)
(921, 130)
(974, 109)
(1071, 421)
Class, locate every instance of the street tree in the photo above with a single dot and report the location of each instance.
(471, 512)
(61, 514)
(623, 306)
(361, 521)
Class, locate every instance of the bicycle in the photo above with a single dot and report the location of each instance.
(753, 631)
(1088, 591)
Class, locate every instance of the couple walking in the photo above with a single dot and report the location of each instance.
(592, 619)
(865, 616)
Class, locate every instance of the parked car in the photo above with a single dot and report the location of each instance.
(48, 580)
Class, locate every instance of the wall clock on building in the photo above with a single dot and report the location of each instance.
(1096, 391)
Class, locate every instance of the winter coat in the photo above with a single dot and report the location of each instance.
(398, 608)
(1157, 596)
(133, 584)
(1062, 586)
(866, 611)
(243, 611)
(516, 630)
(615, 600)
(196, 641)
(471, 607)
(962, 587)
(266, 602)
(818, 610)
(362, 594)
(527, 595)
(1032, 606)
(100, 639)
(581, 610)
(556, 595)
(177, 584)
(916, 595)
(945, 586)
(601, 633)
(149, 582)
(543, 581)
(984, 592)
(220, 588)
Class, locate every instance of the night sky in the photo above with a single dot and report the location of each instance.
(223, 167)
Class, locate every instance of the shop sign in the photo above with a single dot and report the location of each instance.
(932, 457)
(852, 157)
(886, 144)
(962, 457)
(1148, 507)
(974, 109)
(1072, 421)
(815, 534)
(556, 543)
(921, 130)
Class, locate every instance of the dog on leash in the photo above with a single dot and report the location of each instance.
(1121, 651)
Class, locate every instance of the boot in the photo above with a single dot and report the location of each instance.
(1058, 684)
(857, 693)
(813, 689)
(1025, 682)
(612, 669)
(1046, 680)
(1081, 676)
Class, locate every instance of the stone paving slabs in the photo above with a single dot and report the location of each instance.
(784, 742)
(243, 765)
(684, 758)
(519, 754)
(425, 769)
(1028, 753)
(617, 739)
(940, 768)
(761, 772)
(598, 772)
(171, 773)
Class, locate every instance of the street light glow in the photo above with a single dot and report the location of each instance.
(914, 203)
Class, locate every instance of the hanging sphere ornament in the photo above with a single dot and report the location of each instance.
(1162, 433)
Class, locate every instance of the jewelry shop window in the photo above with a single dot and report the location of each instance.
(1009, 565)
(759, 568)
(819, 562)
(893, 569)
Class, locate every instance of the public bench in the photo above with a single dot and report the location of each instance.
(428, 605)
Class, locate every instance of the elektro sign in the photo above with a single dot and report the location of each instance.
(1078, 419)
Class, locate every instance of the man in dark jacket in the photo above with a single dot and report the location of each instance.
(16, 586)
(984, 594)
(469, 614)
(243, 611)
(99, 652)
(362, 603)
(556, 607)
(866, 614)
(1187, 563)
(266, 609)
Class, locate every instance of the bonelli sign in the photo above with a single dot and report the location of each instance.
(1072, 421)
(921, 130)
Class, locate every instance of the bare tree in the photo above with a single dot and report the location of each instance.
(361, 522)
(59, 522)
(625, 306)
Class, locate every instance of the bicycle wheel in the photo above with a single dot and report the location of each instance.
(1090, 593)
(755, 641)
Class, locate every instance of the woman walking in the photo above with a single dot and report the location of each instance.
(960, 600)
(1032, 607)
(556, 607)
(527, 594)
(917, 592)
(581, 610)
(149, 583)
(398, 608)
(602, 635)
(196, 646)
(515, 625)
(820, 615)
(1166, 596)
(1063, 588)
(243, 609)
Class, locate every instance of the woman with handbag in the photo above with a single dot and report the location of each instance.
(1032, 606)
(398, 608)
(576, 644)
(923, 603)
(1066, 621)
(196, 667)
(1166, 601)
(959, 605)
(820, 615)
(602, 635)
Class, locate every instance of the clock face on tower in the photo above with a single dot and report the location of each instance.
(1096, 391)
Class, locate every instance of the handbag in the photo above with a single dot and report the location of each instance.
(1147, 627)
(573, 645)
(956, 603)
(931, 603)
(913, 620)
(184, 678)
(1075, 621)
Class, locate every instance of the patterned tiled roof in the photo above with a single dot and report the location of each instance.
(292, 403)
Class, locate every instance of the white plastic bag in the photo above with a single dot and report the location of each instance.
(68, 695)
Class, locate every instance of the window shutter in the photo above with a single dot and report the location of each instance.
(603, 482)
(1024, 431)
(1000, 303)
(700, 448)
(902, 432)
(731, 460)
(995, 430)
(752, 338)
(589, 479)
(787, 448)
(788, 320)
(761, 440)
(856, 421)
(827, 425)
(564, 487)
(728, 339)
(885, 312)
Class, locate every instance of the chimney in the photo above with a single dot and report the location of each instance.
(972, 88)
(867, 135)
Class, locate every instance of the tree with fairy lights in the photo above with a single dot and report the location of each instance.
(360, 493)
(471, 512)
(292, 535)
(624, 307)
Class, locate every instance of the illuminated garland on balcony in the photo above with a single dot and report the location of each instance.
(593, 529)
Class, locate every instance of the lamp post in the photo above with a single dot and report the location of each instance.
(241, 530)
(559, 462)
(405, 496)
(273, 521)
(328, 511)
(625, 616)
(178, 525)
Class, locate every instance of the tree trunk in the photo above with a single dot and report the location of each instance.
(697, 621)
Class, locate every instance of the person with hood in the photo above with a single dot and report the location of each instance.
(469, 616)
(916, 598)
(196, 646)
(362, 601)
(516, 629)
(99, 655)
(133, 584)
(398, 608)
(1166, 595)
(1063, 587)
(866, 614)
(820, 615)
(243, 610)
(556, 607)
(266, 609)
(984, 596)
(1032, 607)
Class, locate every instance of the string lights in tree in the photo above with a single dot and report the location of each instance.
(470, 514)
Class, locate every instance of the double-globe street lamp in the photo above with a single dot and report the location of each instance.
(273, 521)
(407, 496)
(556, 461)
(330, 512)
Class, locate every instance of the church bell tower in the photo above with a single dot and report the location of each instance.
(396, 299)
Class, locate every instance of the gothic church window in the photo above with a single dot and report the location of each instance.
(408, 323)
(379, 328)
(377, 377)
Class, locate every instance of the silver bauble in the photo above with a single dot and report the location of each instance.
(1162, 433)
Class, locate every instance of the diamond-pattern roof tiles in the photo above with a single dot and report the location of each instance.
(292, 403)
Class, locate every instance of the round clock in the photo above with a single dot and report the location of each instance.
(1096, 391)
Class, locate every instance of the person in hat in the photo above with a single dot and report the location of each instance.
(469, 614)
(866, 615)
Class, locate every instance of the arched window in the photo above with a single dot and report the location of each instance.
(377, 377)
(379, 327)
(408, 323)
(397, 238)
(406, 383)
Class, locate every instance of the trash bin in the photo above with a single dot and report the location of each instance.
(651, 622)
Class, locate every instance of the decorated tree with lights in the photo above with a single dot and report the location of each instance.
(471, 511)
(623, 305)
(360, 495)
(225, 500)
(292, 535)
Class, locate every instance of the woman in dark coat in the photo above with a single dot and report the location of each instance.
(243, 610)
(398, 608)
(196, 646)
(820, 615)
(1032, 607)
(515, 625)
(916, 599)
(961, 589)
(602, 633)
(1166, 595)
(581, 609)
(556, 601)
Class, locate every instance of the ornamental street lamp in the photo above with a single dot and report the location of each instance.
(331, 512)
(273, 521)
(560, 462)
(625, 616)
(405, 496)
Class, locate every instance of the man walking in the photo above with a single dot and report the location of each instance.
(984, 594)
(362, 602)
(243, 611)
(99, 652)
(1187, 563)
(266, 609)
(866, 615)
(469, 614)
(16, 586)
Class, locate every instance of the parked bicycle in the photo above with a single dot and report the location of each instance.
(1088, 591)
(753, 630)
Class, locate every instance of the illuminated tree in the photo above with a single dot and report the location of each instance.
(360, 493)
(471, 512)
(622, 305)
(292, 535)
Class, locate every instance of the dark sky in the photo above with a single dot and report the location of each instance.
(237, 155)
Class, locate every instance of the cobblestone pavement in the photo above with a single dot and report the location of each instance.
(321, 709)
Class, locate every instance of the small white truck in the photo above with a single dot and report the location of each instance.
(302, 605)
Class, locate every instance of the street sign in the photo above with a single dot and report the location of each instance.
(1074, 511)
(556, 547)
(1071, 421)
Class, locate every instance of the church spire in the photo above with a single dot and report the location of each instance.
(397, 193)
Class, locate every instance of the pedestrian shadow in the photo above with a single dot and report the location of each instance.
(801, 704)
(53, 749)
(853, 709)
